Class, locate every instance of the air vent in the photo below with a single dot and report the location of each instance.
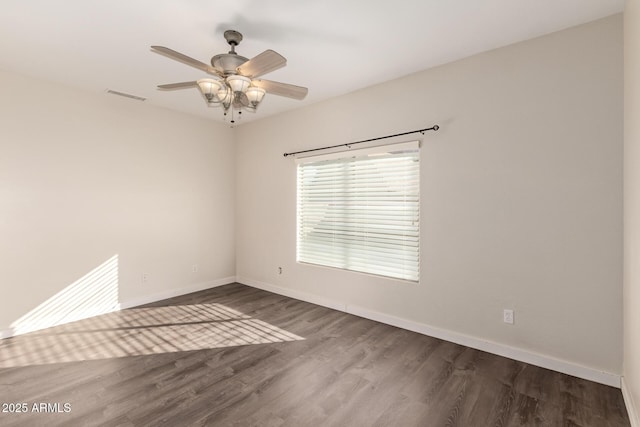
(126, 95)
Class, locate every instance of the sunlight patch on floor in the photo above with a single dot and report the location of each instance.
(141, 331)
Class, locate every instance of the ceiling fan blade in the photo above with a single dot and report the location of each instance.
(170, 53)
(282, 89)
(182, 85)
(264, 63)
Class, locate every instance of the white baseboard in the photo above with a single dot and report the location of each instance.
(634, 415)
(469, 341)
(458, 338)
(48, 323)
(302, 296)
(515, 353)
(159, 296)
(146, 299)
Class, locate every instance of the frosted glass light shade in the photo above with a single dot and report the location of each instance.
(255, 95)
(239, 83)
(209, 89)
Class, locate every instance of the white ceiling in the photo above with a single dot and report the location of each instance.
(332, 46)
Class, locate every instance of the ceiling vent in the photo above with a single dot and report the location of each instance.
(126, 95)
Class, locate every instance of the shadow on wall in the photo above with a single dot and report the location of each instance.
(93, 294)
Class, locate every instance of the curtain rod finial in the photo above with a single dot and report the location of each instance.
(436, 127)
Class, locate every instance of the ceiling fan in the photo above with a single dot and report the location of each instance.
(235, 85)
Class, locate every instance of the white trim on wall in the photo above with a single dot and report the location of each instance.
(479, 344)
(521, 355)
(7, 332)
(147, 299)
(634, 415)
(291, 293)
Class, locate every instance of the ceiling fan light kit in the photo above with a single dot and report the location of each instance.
(235, 85)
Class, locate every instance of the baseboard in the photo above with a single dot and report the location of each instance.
(532, 358)
(632, 411)
(302, 296)
(159, 296)
(521, 355)
(11, 332)
(479, 344)
(8, 332)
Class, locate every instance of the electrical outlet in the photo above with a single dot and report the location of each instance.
(507, 316)
(145, 277)
(194, 268)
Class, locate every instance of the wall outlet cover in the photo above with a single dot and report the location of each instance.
(507, 316)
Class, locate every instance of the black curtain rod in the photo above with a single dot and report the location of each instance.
(348, 145)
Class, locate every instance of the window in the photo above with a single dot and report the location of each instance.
(359, 210)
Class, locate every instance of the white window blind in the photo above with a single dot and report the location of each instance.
(362, 212)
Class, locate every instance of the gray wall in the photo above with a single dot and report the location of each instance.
(631, 370)
(521, 197)
(85, 177)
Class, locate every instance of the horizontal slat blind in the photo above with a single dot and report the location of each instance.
(362, 213)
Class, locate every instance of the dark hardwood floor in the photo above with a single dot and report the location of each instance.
(238, 356)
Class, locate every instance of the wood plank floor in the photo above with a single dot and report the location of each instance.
(239, 356)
